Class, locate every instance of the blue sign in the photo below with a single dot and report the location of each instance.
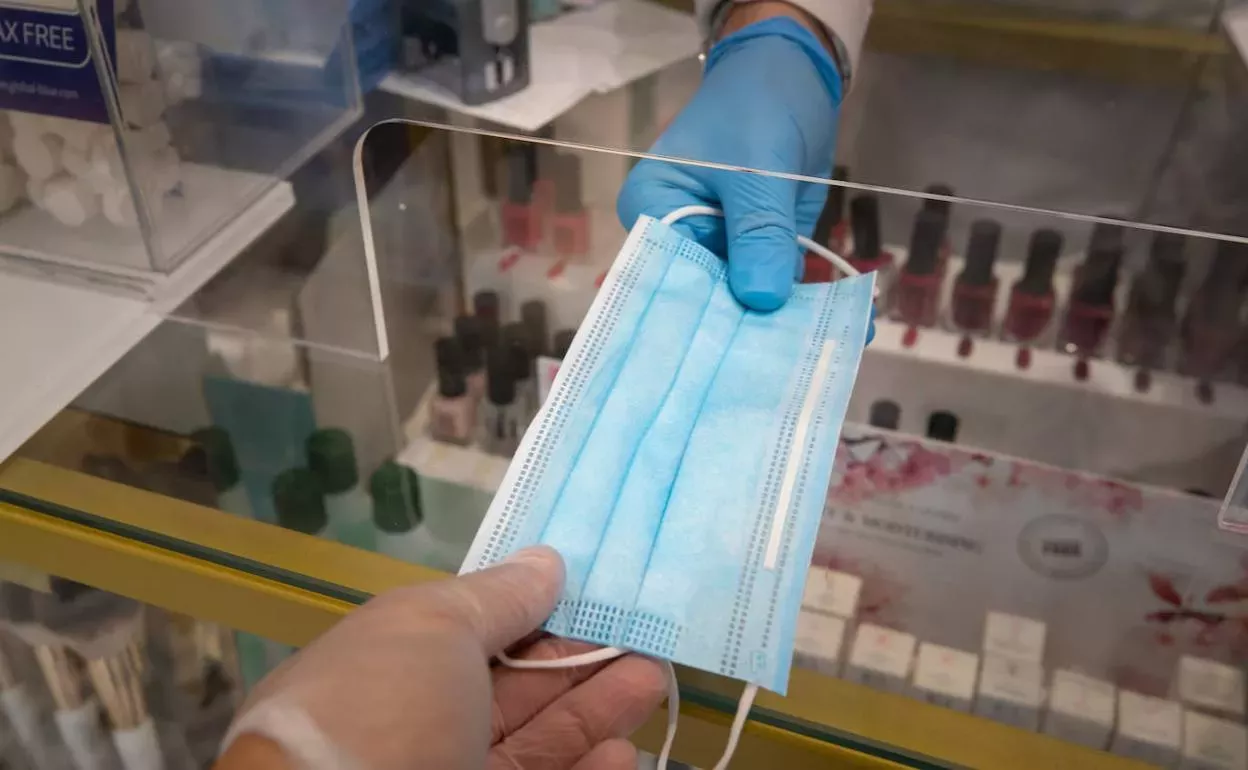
(45, 62)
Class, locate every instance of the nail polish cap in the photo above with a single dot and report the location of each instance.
(563, 342)
(929, 232)
(471, 342)
(451, 382)
(885, 414)
(981, 252)
(331, 457)
(299, 503)
(221, 463)
(941, 207)
(1156, 289)
(485, 306)
(396, 498)
(1097, 277)
(521, 172)
(516, 340)
(533, 316)
(568, 195)
(942, 426)
(833, 209)
(448, 354)
(864, 220)
(1223, 287)
(500, 382)
(1042, 253)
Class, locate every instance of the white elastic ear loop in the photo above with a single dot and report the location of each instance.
(836, 259)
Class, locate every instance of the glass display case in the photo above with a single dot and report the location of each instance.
(136, 133)
(1019, 562)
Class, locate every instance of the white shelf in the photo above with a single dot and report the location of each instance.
(59, 338)
(572, 56)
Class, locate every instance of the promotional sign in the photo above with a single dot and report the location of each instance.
(1126, 577)
(45, 59)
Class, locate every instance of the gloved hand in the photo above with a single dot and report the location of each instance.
(769, 101)
(405, 681)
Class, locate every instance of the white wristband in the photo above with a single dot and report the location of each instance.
(295, 733)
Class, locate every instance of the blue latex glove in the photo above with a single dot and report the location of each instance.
(769, 101)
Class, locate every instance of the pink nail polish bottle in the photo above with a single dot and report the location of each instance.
(1029, 316)
(868, 255)
(1090, 311)
(918, 285)
(453, 412)
(1149, 321)
(975, 290)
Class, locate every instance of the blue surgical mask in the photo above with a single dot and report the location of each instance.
(681, 462)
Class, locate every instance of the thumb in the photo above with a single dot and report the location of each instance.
(761, 219)
(506, 602)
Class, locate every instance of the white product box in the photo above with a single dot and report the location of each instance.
(1081, 709)
(1149, 729)
(1210, 685)
(880, 658)
(818, 642)
(945, 676)
(1210, 743)
(1011, 691)
(1014, 636)
(832, 592)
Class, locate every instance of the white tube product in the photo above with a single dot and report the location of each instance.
(20, 709)
(139, 747)
(39, 155)
(80, 730)
(71, 201)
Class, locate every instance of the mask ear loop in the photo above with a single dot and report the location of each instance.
(610, 653)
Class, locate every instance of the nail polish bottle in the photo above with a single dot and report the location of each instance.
(533, 316)
(1210, 330)
(868, 255)
(975, 290)
(500, 413)
(487, 307)
(942, 426)
(331, 458)
(516, 340)
(945, 210)
(563, 342)
(472, 351)
(1029, 317)
(917, 300)
(223, 470)
(571, 220)
(453, 411)
(544, 167)
(298, 502)
(829, 231)
(1149, 321)
(885, 414)
(1090, 311)
(522, 217)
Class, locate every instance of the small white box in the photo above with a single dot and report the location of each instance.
(832, 592)
(1011, 691)
(945, 676)
(880, 658)
(1014, 636)
(818, 642)
(1081, 709)
(1210, 685)
(1149, 729)
(1210, 743)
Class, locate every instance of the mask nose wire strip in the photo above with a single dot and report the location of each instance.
(610, 653)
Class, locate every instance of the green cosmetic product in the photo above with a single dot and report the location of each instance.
(401, 533)
(331, 457)
(223, 471)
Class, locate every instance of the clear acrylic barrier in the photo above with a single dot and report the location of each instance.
(1031, 442)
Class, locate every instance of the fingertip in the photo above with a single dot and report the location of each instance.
(763, 293)
(760, 267)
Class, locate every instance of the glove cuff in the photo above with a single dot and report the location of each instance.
(295, 733)
(791, 30)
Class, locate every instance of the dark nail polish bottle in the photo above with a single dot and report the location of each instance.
(469, 335)
(829, 231)
(1030, 313)
(522, 217)
(563, 342)
(1090, 310)
(945, 210)
(571, 220)
(500, 414)
(1210, 331)
(868, 254)
(975, 290)
(1149, 320)
(917, 301)
(942, 426)
(885, 414)
(523, 370)
(544, 162)
(533, 316)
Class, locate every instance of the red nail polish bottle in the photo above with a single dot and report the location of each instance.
(1149, 320)
(944, 209)
(1091, 308)
(917, 301)
(1030, 313)
(868, 256)
(522, 218)
(1210, 330)
(829, 231)
(975, 290)
(571, 220)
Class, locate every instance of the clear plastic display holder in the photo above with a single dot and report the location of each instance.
(156, 135)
